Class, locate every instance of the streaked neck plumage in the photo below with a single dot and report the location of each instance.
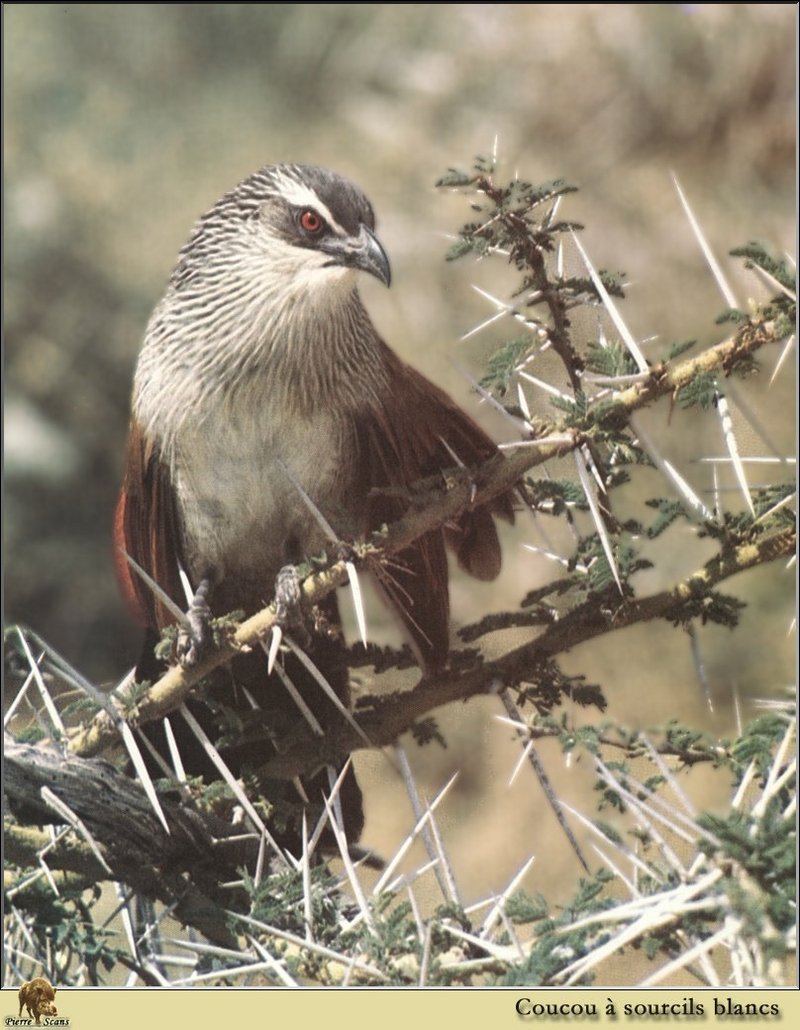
(263, 329)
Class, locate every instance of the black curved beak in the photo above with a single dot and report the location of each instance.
(363, 251)
(371, 257)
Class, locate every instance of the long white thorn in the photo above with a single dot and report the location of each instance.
(620, 381)
(327, 689)
(566, 439)
(174, 753)
(586, 483)
(734, 393)
(335, 819)
(579, 567)
(783, 356)
(143, 775)
(186, 585)
(700, 668)
(274, 647)
(520, 425)
(494, 913)
(44, 693)
(770, 280)
(547, 387)
(523, 402)
(485, 324)
(445, 864)
(222, 767)
(162, 595)
(625, 334)
(717, 497)
(297, 697)
(317, 949)
(276, 964)
(358, 601)
(323, 523)
(751, 459)
(683, 488)
(424, 816)
(521, 761)
(730, 441)
(23, 690)
(62, 809)
(305, 865)
(702, 947)
(713, 264)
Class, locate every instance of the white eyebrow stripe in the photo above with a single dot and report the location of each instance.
(300, 195)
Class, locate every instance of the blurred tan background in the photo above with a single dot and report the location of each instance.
(124, 122)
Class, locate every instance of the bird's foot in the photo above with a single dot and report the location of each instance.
(288, 593)
(345, 552)
(194, 637)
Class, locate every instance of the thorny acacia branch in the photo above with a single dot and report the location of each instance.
(384, 718)
(443, 504)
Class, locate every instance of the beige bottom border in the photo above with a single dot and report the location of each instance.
(374, 1008)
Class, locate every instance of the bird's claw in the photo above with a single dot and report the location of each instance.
(194, 637)
(345, 552)
(288, 593)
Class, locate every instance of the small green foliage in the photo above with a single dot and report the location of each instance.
(83, 706)
(503, 364)
(484, 164)
(756, 255)
(763, 849)
(165, 648)
(587, 737)
(608, 831)
(576, 409)
(459, 249)
(708, 606)
(278, 901)
(768, 497)
(610, 796)
(610, 419)
(702, 391)
(613, 359)
(590, 894)
(132, 695)
(682, 739)
(785, 323)
(524, 908)
(731, 315)
(210, 795)
(31, 734)
(600, 576)
(222, 629)
(426, 731)
(455, 177)
(623, 451)
(66, 926)
(223, 626)
(582, 290)
(555, 496)
(757, 744)
(668, 512)
(677, 349)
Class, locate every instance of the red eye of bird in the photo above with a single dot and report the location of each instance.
(311, 221)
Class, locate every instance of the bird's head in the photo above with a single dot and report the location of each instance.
(298, 223)
(268, 278)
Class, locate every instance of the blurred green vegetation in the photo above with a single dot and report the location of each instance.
(124, 122)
